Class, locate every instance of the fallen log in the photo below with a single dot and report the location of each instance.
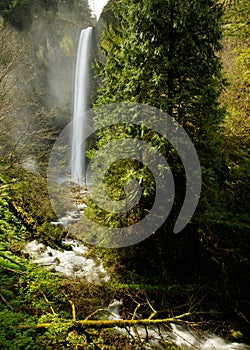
(108, 323)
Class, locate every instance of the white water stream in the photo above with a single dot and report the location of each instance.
(182, 336)
(68, 263)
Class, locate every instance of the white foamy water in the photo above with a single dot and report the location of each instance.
(69, 218)
(68, 263)
(182, 336)
(114, 309)
(187, 339)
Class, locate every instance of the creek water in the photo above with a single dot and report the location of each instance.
(181, 335)
(71, 263)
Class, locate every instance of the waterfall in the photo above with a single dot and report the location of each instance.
(81, 95)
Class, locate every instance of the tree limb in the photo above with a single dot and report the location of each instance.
(109, 323)
(6, 302)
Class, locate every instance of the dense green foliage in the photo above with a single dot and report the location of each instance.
(171, 54)
(168, 61)
(166, 54)
(22, 285)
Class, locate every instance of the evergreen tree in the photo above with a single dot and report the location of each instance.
(164, 53)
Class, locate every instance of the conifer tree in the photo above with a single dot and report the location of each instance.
(164, 53)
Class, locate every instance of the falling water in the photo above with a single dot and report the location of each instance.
(81, 95)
